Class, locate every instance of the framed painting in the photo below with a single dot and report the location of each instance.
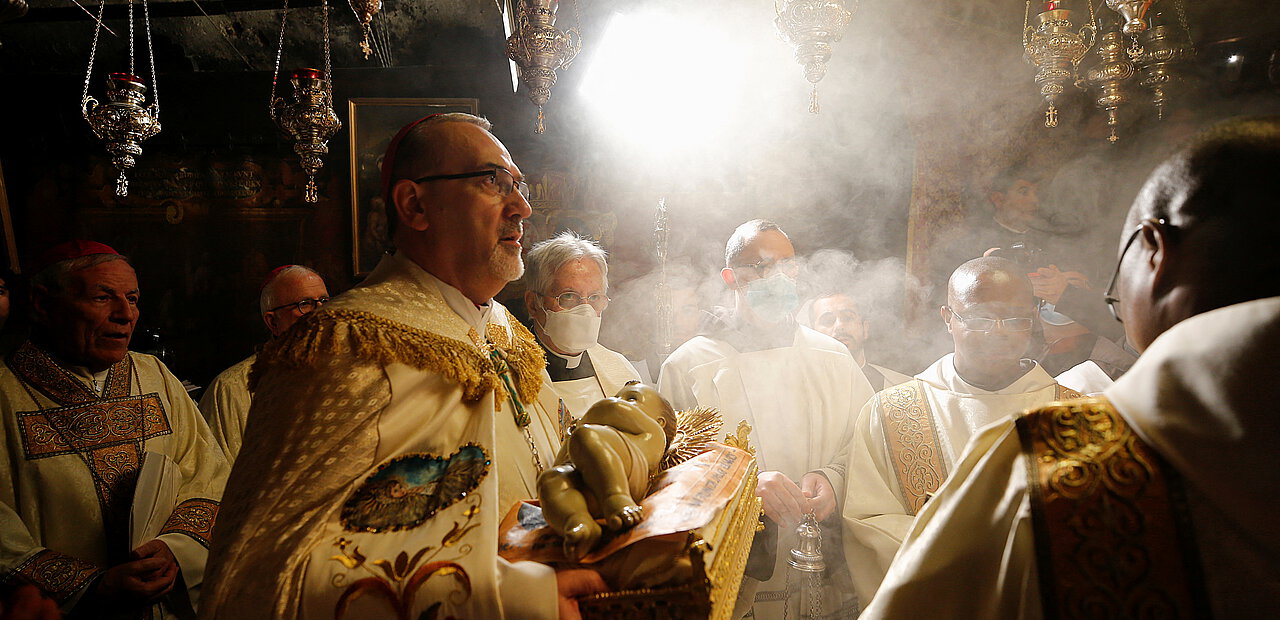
(373, 121)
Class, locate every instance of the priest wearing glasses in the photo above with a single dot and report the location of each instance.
(908, 438)
(568, 285)
(289, 293)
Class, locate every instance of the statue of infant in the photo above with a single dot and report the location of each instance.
(603, 468)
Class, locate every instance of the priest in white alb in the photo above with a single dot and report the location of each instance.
(289, 293)
(909, 437)
(1153, 500)
(394, 427)
(798, 389)
(566, 297)
(109, 478)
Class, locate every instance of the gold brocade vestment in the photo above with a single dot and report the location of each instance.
(381, 450)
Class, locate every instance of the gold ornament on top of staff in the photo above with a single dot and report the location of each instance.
(812, 26)
(1056, 49)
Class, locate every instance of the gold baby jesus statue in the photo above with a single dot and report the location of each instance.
(603, 469)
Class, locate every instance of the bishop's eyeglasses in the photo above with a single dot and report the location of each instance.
(500, 179)
(304, 306)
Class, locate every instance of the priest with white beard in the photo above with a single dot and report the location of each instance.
(909, 437)
(798, 389)
(568, 291)
(1172, 470)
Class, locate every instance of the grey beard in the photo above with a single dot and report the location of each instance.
(503, 265)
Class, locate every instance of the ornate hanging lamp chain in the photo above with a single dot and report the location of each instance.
(151, 56)
(275, 77)
(93, 50)
(328, 69)
(132, 71)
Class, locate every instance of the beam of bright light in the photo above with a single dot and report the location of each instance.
(661, 82)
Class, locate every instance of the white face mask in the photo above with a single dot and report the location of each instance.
(572, 331)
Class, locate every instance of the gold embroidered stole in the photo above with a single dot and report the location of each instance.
(1113, 534)
(912, 437)
(106, 432)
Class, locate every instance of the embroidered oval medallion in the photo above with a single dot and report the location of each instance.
(409, 489)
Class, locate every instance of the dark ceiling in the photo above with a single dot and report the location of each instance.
(238, 35)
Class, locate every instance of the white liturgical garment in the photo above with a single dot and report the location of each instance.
(876, 514)
(800, 401)
(1204, 396)
(382, 449)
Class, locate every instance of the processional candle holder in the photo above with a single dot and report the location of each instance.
(124, 121)
(1110, 78)
(540, 49)
(1164, 47)
(666, 311)
(807, 561)
(310, 121)
(812, 26)
(365, 10)
(1055, 47)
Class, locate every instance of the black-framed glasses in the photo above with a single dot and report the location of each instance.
(304, 306)
(1109, 296)
(983, 324)
(766, 267)
(569, 300)
(502, 180)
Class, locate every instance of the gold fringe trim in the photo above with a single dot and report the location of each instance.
(371, 338)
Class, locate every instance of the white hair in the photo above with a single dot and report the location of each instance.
(547, 257)
(269, 299)
(56, 277)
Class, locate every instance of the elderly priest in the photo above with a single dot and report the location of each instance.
(93, 433)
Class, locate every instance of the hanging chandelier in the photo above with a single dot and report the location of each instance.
(1134, 49)
(125, 120)
(1055, 48)
(812, 26)
(539, 49)
(365, 10)
(1111, 76)
(309, 119)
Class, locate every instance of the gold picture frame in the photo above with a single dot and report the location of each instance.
(373, 122)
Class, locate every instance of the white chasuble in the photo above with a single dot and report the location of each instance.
(800, 401)
(1203, 396)
(69, 464)
(915, 433)
(390, 431)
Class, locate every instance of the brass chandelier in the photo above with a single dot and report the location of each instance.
(1132, 51)
(812, 26)
(309, 119)
(125, 120)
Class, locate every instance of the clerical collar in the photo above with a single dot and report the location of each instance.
(745, 337)
(475, 316)
(568, 367)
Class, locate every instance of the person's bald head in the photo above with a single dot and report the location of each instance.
(288, 295)
(1204, 229)
(990, 312)
(988, 279)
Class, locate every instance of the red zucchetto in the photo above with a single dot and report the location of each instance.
(70, 250)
